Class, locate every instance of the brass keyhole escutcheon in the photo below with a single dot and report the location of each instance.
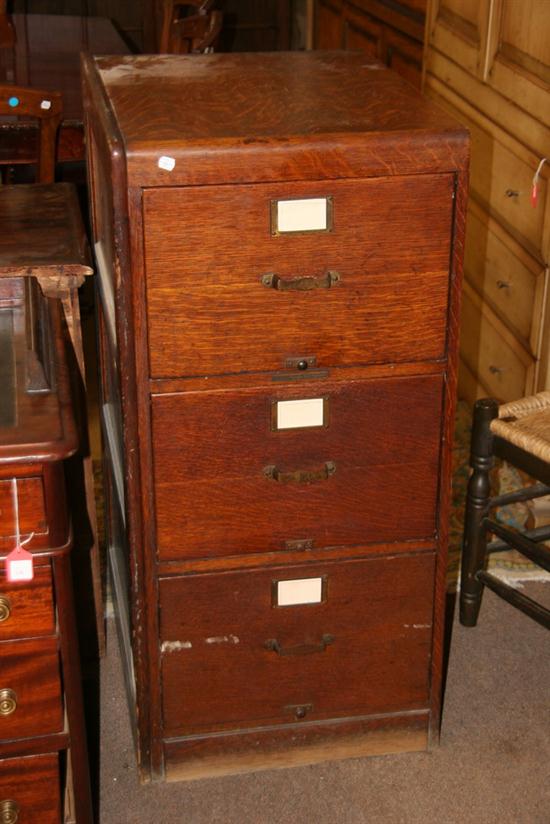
(9, 811)
(5, 608)
(8, 704)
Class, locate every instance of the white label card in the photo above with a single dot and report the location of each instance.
(299, 591)
(301, 413)
(302, 215)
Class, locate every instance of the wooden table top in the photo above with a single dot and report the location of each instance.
(42, 232)
(47, 54)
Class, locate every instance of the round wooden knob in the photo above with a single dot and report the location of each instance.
(5, 608)
(8, 704)
(9, 812)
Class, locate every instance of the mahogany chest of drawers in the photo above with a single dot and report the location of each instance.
(43, 756)
(279, 240)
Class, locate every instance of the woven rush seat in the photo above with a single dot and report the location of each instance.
(526, 423)
(519, 433)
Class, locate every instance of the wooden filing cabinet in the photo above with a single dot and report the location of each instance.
(279, 273)
(43, 762)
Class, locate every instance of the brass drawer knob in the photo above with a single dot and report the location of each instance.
(9, 811)
(5, 608)
(8, 704)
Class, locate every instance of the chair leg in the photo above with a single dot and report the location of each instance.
(474, 550)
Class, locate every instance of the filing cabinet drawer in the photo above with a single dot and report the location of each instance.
(225, 293)
(31, 784)
(233, 655)
(30, 698)
(228, 481)
(32, 512)
(26, 609)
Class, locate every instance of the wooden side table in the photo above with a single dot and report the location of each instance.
(44, 773)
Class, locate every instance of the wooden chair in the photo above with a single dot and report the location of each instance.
(189, 27)
(519, 433)
(21, 143)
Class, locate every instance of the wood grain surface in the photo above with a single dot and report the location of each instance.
(287, 117)
(201, 352)
(218, 674)
(212, 497)
(206, 251)
(31, 669)
(31, 610)
(33, 783)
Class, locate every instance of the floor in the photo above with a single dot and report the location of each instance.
(492, 764)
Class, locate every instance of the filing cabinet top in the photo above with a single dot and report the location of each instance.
(270, 116)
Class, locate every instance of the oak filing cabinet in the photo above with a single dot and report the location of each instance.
(279, 241)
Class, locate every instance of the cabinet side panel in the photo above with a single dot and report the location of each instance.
(111, 241)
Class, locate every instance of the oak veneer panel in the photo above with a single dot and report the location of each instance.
(221, 675)
(31, 670)
(207, 248)
(211, 448)
(291, 115)
(33, 783)
(31, 611)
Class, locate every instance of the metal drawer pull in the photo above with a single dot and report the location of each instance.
(5, 612)
(8, 703)
(304, 284)
(300, 476)
(9, 811)
(301, 649)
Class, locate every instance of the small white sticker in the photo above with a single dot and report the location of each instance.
(299, 591)
(301, 413)
(166, 163)
(46, 104)
(308, 215)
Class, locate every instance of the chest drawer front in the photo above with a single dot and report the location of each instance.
(227, 482)
(504, 280)
(31, 689)
(225, 294)
(231, 656)
(500, 362)
(27, 609)
(32, 785)
(32, 510)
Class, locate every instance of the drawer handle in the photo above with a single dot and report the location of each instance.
(9, 811)
(8, 703)
(305, 284)
(503, 284)
(496, 370)
(301, 649)
(5, 610)
(300, 476)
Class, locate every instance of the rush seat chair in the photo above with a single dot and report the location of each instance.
(518, 432)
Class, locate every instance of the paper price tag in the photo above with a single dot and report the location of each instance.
(19, 565)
